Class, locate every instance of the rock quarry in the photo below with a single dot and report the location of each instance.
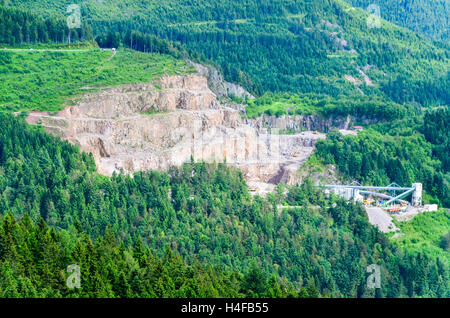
(156, 125)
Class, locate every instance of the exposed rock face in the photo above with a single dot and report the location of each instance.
(241, 108)
(217, 83)
(144, 126)
(299, 122)
(172, 93)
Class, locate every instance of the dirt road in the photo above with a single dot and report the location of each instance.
(381, 219)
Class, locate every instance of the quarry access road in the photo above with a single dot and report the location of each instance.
(381, 219)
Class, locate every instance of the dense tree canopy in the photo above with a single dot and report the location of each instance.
(436, 130)
(430, 17)
(34, 259)
(20, 27)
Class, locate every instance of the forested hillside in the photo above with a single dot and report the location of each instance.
(34, 258)
(196, 230)
(208, 217)
(429, 17)
(297, 46)
(436, 130)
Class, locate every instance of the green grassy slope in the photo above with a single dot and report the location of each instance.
(46, 79)
(424, 233)
(278, 104)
